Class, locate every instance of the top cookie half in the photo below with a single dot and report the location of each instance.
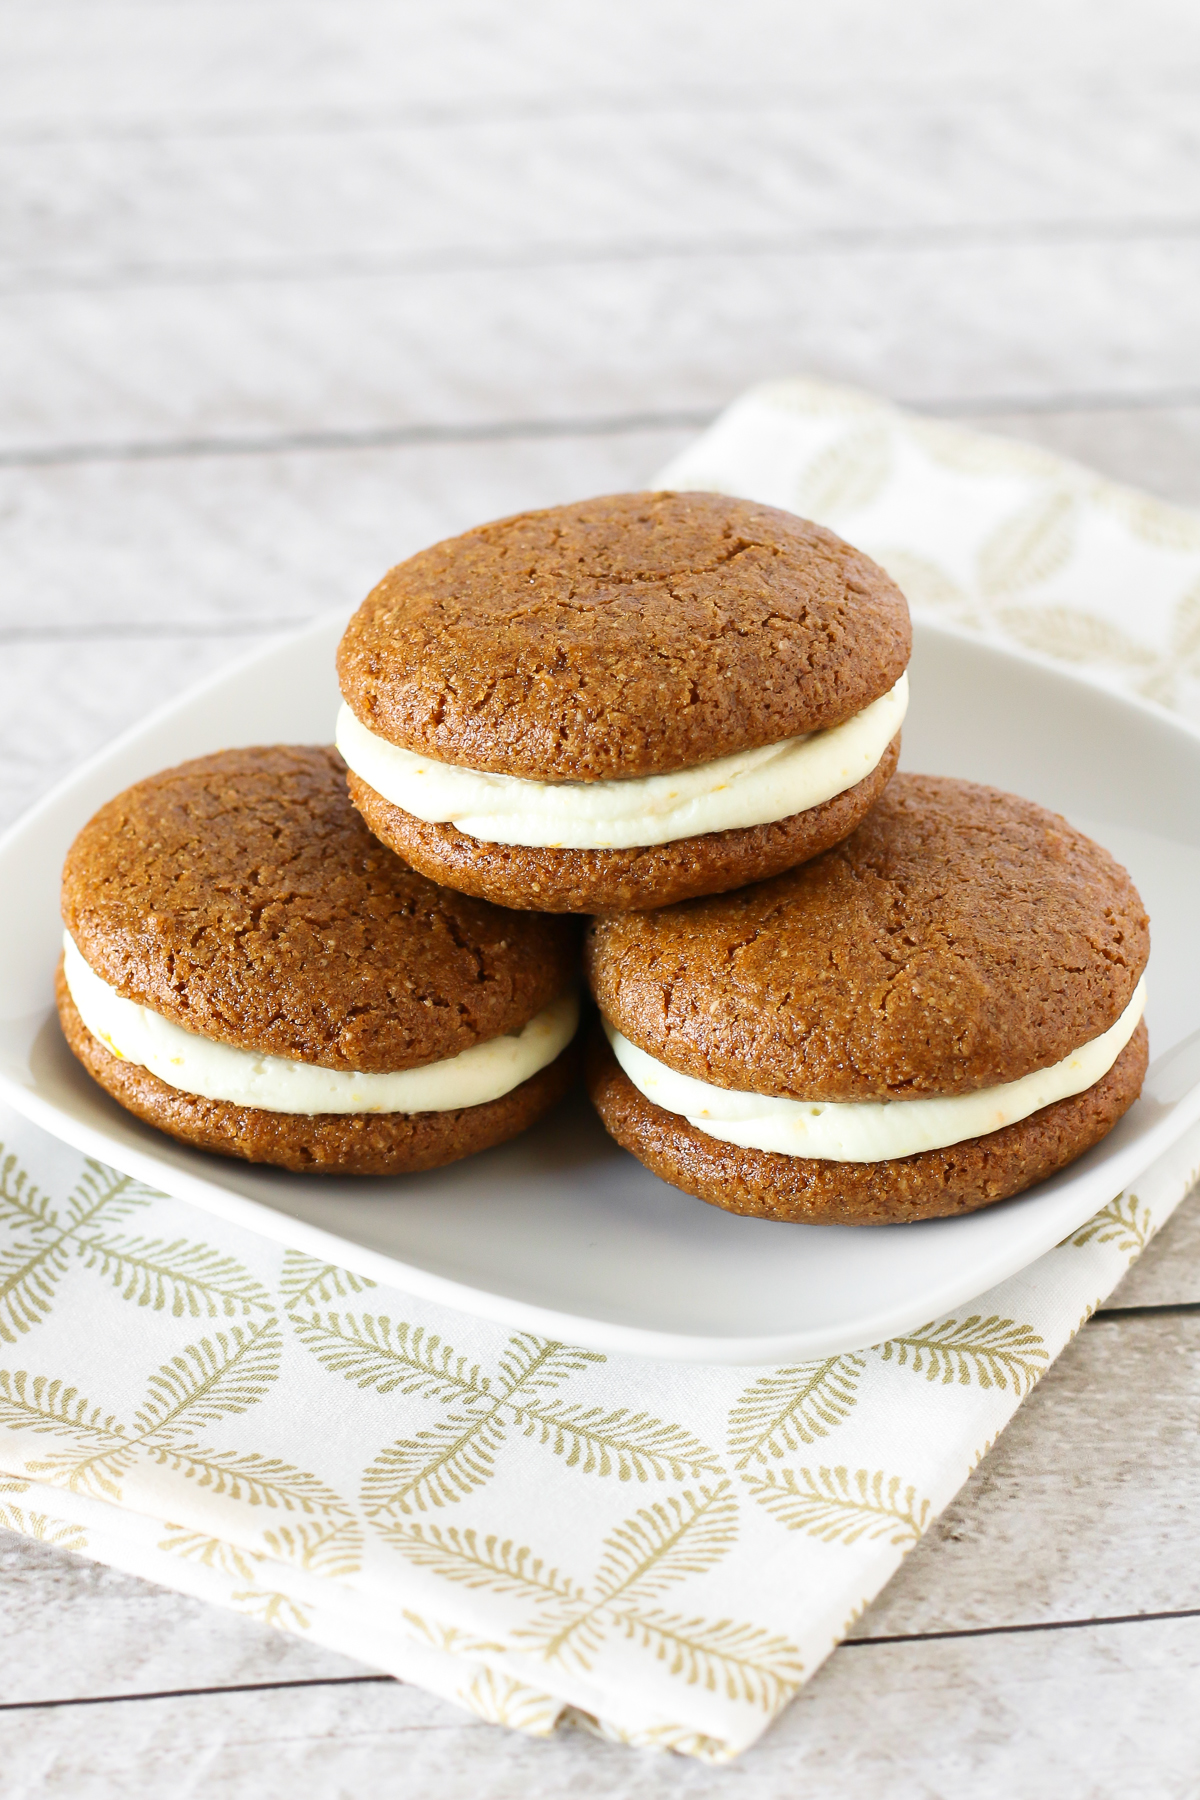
(626, 636)
(241, 897)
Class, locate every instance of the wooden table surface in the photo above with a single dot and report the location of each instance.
(289, 290)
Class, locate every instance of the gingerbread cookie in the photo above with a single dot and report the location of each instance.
(247, 968)
(624, 702)
(932, 1016)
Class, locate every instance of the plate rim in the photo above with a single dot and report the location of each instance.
(612, 1336)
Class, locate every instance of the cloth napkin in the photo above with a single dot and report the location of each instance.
(662, 1552)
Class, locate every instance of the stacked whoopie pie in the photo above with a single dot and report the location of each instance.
(247, 968)
(827, 992)
(624, 703)
(931, 1017)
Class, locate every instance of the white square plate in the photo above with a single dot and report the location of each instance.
(562, 1233)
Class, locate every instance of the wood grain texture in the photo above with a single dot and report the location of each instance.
(1105, 1711)
(167, 205)
(1168, 1273)
(281, 302)
(207, 61)
(60, 701)
(235, 540)
(644, 331)
(126, 1636)
(1085, 1505)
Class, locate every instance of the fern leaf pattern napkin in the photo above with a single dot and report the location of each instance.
(1001, 537)
(662, 1552)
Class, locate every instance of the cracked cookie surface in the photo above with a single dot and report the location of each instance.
(628, 635)
(959, 938)
(242, 896)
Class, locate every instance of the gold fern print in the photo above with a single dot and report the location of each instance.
(838, 1506)
(987, 1353)
(270, 1607)
(924, 583)
(1125, 1221)
(1182, 656)
(42, 1238)
(1071, 635)
(231, 1560)
(647, 1554)
(218, 1377)
(457, 1452)
(974, 453)
(59, 1532)
(306, 1282)
(479, 1410)
(223, 1374)
(1031, 545)
(503, 1700)
(451, 1639)
(1154, 521)
(329, 1545)
(792, 1406)
(846, 475)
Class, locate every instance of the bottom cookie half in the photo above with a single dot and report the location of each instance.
(555, 880)
(931, 1185)
(321, 1143)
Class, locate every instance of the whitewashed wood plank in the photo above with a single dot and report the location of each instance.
(592, 339)
(1088, 1504)
(60, 702)
(1168, 1273)
(276, 538)
(206, 62)
(211, 541)
(173, 205)
(71, 1627)
(1104, 1713)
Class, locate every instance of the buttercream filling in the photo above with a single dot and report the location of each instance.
(871, 1130)
(753, 787)
(214, 1071)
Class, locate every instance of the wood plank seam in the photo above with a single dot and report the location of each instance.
(498, 431)
(192, 1693)
(118, 630)
(369, 438)
(975, 1631)
(914, 1637)
(835, 240)
(1109, 1314)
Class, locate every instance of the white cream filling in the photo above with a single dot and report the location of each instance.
(754, 787)
(215, 1071)
(870, 1131)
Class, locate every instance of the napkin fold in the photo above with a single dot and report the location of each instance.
(533, 1530)
(998, 536)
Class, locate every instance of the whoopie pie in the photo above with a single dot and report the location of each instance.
(247, 968)
(623, 702)
(928, 1018)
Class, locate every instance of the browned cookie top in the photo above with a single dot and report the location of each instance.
(628, 635)
(959, 938)
(242, 896)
